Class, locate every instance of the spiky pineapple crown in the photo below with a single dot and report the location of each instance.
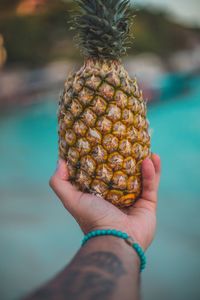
(103, 27)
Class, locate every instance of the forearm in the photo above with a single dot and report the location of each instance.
(105, 268)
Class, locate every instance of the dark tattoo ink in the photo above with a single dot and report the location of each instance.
(106, 261)
(90, 277)
(90, 285)
(78, 285)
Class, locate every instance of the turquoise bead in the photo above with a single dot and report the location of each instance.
(124, 235)
(142, 255)
(119, 234)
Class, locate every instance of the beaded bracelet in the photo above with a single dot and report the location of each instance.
(123, 235)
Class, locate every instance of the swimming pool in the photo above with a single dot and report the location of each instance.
(36, 232)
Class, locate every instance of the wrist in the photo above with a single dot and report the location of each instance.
(117, 246)
(143, 241)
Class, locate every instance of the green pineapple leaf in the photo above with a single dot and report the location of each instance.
(103, 27)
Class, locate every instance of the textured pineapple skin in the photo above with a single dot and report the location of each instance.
(103, 131)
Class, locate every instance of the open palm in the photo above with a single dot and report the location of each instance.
(92, 212)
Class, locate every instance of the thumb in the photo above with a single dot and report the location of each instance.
(65, 191)
(61, 170)
(150, 177)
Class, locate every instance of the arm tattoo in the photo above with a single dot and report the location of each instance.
(90, 277)
(106, 261)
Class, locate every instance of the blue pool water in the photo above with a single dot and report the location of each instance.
(38, 237)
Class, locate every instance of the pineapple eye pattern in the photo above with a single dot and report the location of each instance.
(103, 130)
(103, 134)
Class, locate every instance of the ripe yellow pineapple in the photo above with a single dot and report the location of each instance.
(103, 131)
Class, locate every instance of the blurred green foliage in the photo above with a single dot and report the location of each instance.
(36, 39)
(154, 32)
(8, 6)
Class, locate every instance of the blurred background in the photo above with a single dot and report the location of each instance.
(38, 237)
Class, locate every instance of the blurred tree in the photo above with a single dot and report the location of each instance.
(26, 7)
(155, 33)
(44, 35)
(32, 39)
(3, 54)
(8, 6)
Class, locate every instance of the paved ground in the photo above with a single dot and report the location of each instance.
(38, 237)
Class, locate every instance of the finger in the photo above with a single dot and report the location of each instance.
(67, 193)
(148, 199)
(156, 162)
(157, 165)
(148, 175)
(149, 187)
(85, 208)
(61, 171)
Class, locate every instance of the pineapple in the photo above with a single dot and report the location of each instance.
(103, 130)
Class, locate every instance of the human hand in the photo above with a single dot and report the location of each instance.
(92, 212)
